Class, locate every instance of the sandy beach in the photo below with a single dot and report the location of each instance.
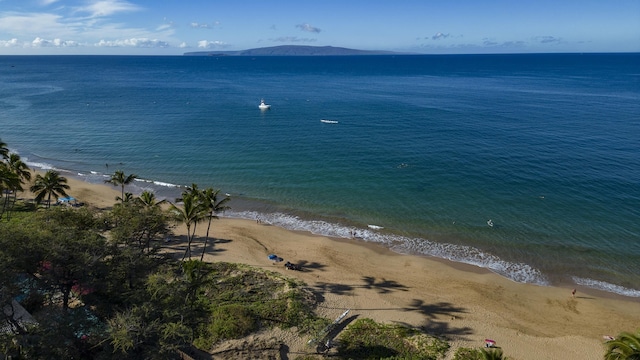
(463, 304)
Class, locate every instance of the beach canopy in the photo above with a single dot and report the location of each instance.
(67, 199)
(489, 343)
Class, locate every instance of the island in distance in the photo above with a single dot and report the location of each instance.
(294, 50)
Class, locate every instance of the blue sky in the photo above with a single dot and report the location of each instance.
(171, 27)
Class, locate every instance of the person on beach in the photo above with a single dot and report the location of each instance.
(573, 293)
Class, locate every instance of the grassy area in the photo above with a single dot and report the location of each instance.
(366, 339)
(243, 300)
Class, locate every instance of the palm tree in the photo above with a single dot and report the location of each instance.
(120, 179)
(624, 347)
(148, 199)
(190, 214)
(19, 173)
(128, 197)
(9, 182)
(190, 191)
(213, 206)
(49, 184)
(18, 167)
(4, 150)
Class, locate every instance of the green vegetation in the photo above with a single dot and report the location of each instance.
(118, 178)
(95, 296)
(366, 339)
(479, 354)
(51, 184)
(626, 346)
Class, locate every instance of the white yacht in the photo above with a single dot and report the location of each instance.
(264, 106)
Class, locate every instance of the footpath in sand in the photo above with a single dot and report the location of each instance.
(463, 304)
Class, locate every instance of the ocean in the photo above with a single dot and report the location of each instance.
(420, 153)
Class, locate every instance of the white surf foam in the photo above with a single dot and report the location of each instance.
(605, 286)
(518, 272)
(158, 183)
(39, 165)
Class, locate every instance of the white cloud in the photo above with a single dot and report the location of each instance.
(507, 44)
(196, 25)
(40, 42)
(133, 42)
(308, 28)
(93, 24)
(548, 39)
(100, 8)
(10, 43)
(439, 36)
(183, 45)
(164, 27)
(32, 24)
(205, 44)
(292, 39)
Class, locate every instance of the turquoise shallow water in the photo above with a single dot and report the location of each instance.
(427, 147)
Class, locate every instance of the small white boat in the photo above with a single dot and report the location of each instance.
(490, 223)
(329, 121)
(264, 106)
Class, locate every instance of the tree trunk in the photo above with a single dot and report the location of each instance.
(206, 238)
(66, 291)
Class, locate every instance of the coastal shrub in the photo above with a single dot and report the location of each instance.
(625, 346)
(467, 354)
(479, 354)
(366, 339)
(231, 322)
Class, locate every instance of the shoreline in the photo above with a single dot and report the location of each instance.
(463, 303)
(172, 191)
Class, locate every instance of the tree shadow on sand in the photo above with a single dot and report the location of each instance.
(442, 309)
(176, 245)
(338, 289)
(310, 265)
(383, 286)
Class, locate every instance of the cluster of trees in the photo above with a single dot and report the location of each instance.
(92, 280)
(14, 173)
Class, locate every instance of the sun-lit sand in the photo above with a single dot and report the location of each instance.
(464, 304)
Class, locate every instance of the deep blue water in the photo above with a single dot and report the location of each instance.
(428, 147)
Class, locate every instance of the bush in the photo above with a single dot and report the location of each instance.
(366, 339)
(467, 354)
(226, 322)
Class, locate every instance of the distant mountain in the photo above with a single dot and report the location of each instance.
(293, 50)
